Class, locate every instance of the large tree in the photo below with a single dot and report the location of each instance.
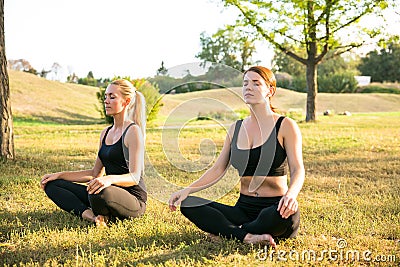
(6, 124)
(315, 26)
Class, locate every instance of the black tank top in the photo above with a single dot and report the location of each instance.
(115, 159)
(269, 159)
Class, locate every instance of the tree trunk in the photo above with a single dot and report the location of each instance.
(312, 89)
(6, 124)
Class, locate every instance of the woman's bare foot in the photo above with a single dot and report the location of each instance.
(88, 215)
(214, 238)
(101, 221)
(260, 239)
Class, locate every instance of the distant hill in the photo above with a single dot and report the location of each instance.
(41, 99)
(285, 100)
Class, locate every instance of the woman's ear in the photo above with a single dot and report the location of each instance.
(127, 101)
(271, 91)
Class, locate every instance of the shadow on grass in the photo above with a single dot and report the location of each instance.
(35, 221)
(70, 118)
(179, 246)
(196, 253)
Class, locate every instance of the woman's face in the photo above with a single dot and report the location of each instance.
(114, 101)
(255, 90)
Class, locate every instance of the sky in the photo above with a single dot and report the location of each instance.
(119, 37)
(112, 38)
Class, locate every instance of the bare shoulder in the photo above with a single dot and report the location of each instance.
(133, 131)
(289, 127)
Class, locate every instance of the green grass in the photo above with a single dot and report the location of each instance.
(351, 192)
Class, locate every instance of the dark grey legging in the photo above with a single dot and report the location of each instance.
(255, 215)
(112, 201)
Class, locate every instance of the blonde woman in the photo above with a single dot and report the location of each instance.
(114, 187)
(260, 147)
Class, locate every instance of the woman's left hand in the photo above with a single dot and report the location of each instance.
(96, 185)
(287, 206)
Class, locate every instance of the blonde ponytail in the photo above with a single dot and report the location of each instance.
(137, 111)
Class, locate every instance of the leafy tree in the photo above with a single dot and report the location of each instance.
(312, 25)
(227, 46)
(90, 75)
(283, 63)
(88, 80)
(6, 122)
(383, 65)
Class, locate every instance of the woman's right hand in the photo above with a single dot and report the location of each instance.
(177, 197)
(47, 178)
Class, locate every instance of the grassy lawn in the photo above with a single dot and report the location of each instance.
(351, 198)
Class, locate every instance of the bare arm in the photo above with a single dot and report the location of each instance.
(210, 177)
(293, 145)
(81, 176)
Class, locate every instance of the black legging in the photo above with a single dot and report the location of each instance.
(254, 215)
(112, 201)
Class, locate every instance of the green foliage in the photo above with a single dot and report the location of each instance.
(165, 83)
(382, 89)
(149, 91)
(383, 65)
(152, 96)
(221, 116)
(284, 63)
(227, 46)
(335, 75)
(283, 79)
(337, 83)
(299, 84)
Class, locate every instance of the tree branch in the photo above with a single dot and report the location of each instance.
(355, 18)
(267, 37)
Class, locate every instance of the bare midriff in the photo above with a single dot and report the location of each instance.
(271, 186)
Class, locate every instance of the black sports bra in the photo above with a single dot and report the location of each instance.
(269, 159)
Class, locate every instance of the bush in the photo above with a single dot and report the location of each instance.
(283, 79)
(378, 89)
(337, 83)
(149, 91)
(299, 84)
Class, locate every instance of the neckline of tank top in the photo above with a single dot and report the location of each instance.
(260, 146)
(120, 138)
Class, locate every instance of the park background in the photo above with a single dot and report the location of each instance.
(349, 203)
